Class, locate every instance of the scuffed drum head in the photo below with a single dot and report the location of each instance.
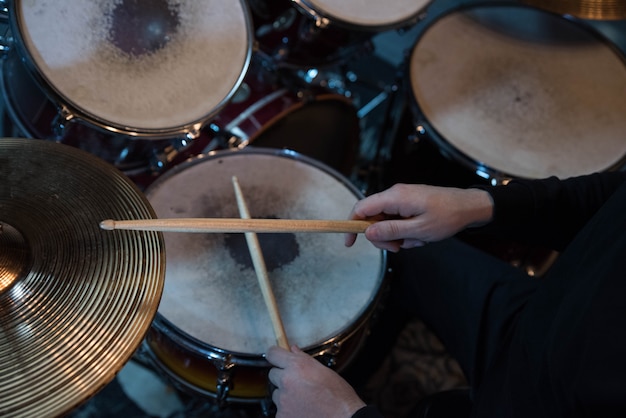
(195, 55)
(374, 13)
(522, 92)
(211, 290)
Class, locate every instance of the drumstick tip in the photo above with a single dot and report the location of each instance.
(107, 225)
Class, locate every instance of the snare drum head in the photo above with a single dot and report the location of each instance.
(141, 65)
(211, 290)
(521, 91)
(369, 13)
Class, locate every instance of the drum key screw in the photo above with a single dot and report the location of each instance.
(223, 379)
(329, 358)
(60, 121)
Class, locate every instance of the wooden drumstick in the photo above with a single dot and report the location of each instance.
(225, 225)
(261, 271)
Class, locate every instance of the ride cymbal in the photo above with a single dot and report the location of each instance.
(583, 9)
(75, 301)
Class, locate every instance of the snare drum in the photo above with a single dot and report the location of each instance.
(212, 326)
(511, 91)
(99, 74)
(319, 33)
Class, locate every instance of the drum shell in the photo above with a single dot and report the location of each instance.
(35, 115)
(195, 366)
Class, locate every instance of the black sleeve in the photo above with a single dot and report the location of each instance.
(367, 412)
(549, 212)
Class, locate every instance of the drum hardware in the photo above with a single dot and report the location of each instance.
(329, 356)
(318, 20)
(223, 386)
(75, 304)
(161, 159)
(278, 24)
(375, 157)
(6, 40)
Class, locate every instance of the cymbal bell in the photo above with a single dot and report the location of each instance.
(583, 9)
(75, 301)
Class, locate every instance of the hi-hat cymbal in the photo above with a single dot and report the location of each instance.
(584, 9)
(75, 301)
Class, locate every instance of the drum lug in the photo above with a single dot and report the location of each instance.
(4, 10)
(60, 121)
(236, 142)
(193, 133)
(6, 40)
(329, 356)
(418, 134)
(223, 379)
(160, 160)
(6, 43)
(320, 21)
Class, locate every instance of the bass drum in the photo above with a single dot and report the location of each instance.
(267, 113)
(514, 92)
(123, 80)
(212, 325)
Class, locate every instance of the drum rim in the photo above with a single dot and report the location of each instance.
(251, 149)
(195, 345)
(425, 129)
(71, 111)
(312, 11)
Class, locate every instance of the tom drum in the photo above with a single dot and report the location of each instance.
(125, 79)
(511, 91)
(319, 33)
(212, 326)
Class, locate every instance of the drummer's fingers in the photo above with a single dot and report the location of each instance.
(278, 356)
(393, 246)
(386, 231)
(390, 202)
(275, 376)
(349, 239)
(412, 243)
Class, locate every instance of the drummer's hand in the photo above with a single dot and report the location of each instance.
(411, 215)
(307, 388)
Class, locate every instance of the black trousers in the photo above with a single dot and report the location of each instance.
(468, 298)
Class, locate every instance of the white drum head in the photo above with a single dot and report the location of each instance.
(186, 74)
(370, 12)
(211, 290)
(522, 92)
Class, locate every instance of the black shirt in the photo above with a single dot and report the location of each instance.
(566, 353)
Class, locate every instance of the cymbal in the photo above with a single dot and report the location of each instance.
(584, 9)
(75, 301)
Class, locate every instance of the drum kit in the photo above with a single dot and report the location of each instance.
(139, 109)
